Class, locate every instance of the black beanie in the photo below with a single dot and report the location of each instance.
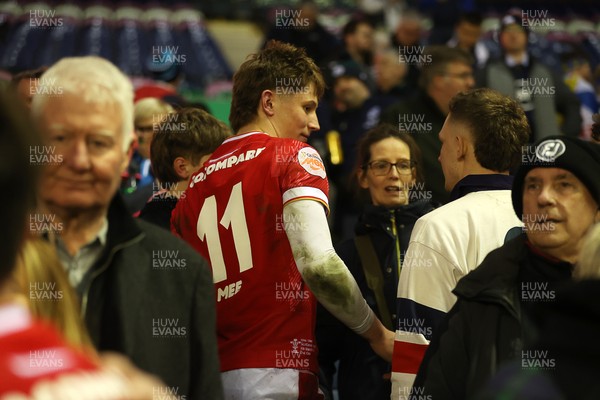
(579, 157)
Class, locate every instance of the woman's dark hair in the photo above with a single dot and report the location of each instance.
(377, 134)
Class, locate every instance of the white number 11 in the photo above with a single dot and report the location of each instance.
(235, 216)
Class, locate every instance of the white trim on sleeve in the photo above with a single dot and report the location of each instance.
(304, 192)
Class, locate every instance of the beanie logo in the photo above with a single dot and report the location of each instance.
(549, 150)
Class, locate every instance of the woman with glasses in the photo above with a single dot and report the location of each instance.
(389, 172)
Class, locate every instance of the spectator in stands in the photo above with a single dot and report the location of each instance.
(408, 39)
(390, 75)
(467, 35)
(25, 84)
(481, 140)
(355, 111)
(139, 285)
(596, 127)
(35, 360)
(542, 93)
(178, 150)
(446, 72)
(359, 43)
(305, 31)
(389, 169)
(578, 77)
(137, 181)
(556, 191)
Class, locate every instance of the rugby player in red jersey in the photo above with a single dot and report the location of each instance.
(257, 210)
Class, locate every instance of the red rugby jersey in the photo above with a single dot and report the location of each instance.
(232, 213)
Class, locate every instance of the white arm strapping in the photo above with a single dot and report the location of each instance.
(321, 268)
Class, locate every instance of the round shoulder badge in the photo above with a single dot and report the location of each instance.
(549, 150)
(310, 160)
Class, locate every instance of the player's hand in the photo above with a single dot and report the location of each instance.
(381, 340)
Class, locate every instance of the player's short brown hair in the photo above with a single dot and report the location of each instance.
(277, 64)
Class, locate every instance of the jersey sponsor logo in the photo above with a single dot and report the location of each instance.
(549, 150)
(224, 163)
(310, 160)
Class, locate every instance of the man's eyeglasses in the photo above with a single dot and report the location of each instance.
(380, 167)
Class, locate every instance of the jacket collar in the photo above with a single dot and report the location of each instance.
(379, 217)
(478, 183)
(122, 227)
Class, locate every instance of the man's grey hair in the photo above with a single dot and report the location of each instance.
(95, 80)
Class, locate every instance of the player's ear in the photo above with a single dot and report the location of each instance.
(180, 165)
(266, 102)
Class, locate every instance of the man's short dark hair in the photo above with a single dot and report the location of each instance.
(471, 17)
(497, 124)
(352, 25)
(438, 58)
(196, 133)
(18, 178)
(29, 74)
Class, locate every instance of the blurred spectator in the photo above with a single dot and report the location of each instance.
(390, 75)
(388, 168)
(138, 284)
(481, 141)
(467, 35)
(556, 192)
(355, 111)
(596, 127)
(308, 33)
(138, 179)
(178, 150)
(359, 44)
(542, 93)
(445, 73)
(25, 84)
(578, 77)
(408, 39)
(36, 362)
(38, 266)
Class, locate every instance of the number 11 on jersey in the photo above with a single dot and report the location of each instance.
(233, 216)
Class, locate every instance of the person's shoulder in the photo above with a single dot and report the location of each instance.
(159, 238)
(498, 269)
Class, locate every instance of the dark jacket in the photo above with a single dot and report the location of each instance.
(566, 344)
(485, 328)
(150, 296)
(361, 370)
(158, 211)
(422, 118)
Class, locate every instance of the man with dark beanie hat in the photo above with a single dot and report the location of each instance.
(556, 193)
